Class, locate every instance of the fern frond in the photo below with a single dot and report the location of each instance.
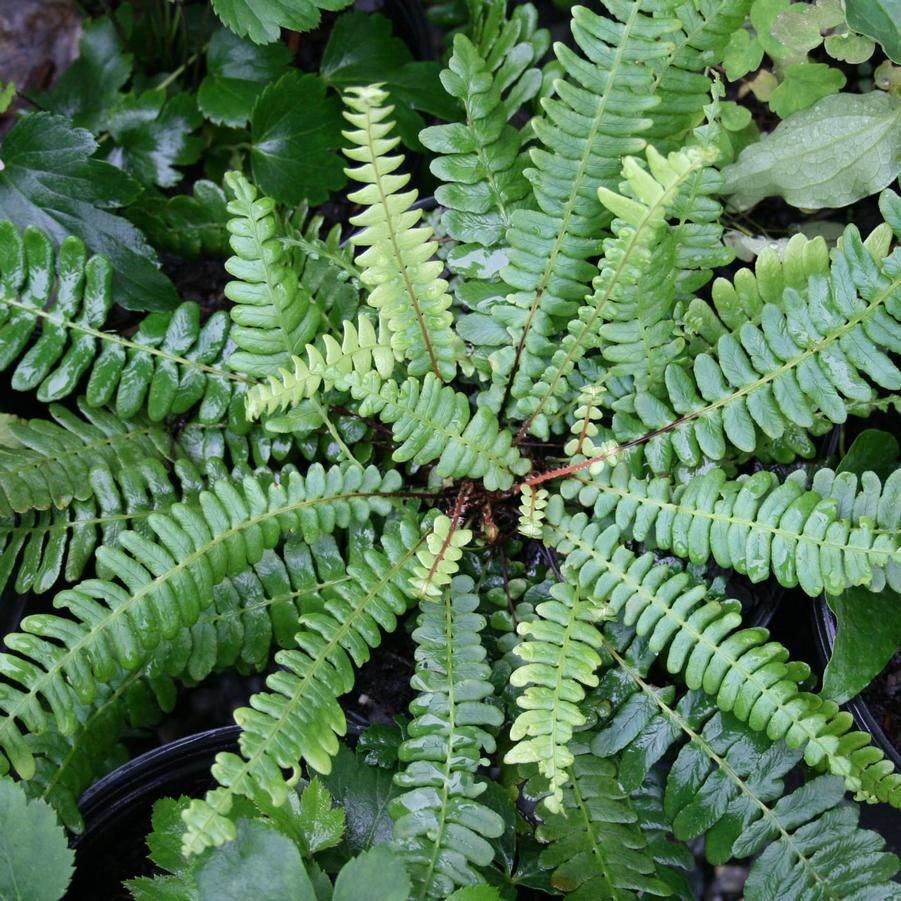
(531, 511)
(439, 558)
(298, 719)
(433, 422)
(171, 363)
(706, 27)
(46, 464)
(597, 848)
(274, 316)
(803, 366)
(560, 650)
(42, 545)
(726, 784)
(165, 583)
(440, 827)
(404, 278)
(361, 350)
(827, 535)
(633, 327)
(595, 120)
(696, 637)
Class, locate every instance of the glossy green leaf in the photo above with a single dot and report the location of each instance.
(294, 112)
(880, 20)
(376, 873)
(843, 148)
(49, 180)
(35, 861)
(364, 792)
(262, 20)
(260, 863)
(873, 450)
(154, 135)
(89, 87)
(237, 71)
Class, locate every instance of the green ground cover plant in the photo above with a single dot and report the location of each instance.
(551, 431)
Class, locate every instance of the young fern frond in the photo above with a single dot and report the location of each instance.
(432, 422)
(171, 364)
(274, 316)
(439, 558)
(531, 511)
(560, 650)
(825, 536)
(42, 545)
(165, 583)
(633, 328)
(404, 279)
(726, 784)
(46, 464)
(361, 350)
(597, 846)
(696, 637)
(439, 826)
(802, 367)
(595, 120)
(298, 719)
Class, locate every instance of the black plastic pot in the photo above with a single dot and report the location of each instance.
(824, 633)
(117, 808)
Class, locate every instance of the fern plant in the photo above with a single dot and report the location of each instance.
(527, 435)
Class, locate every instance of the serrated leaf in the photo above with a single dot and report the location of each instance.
(802, 85)
(153, 136)
(295, 131)
(880, 20)
(237, 71)
(743, 54)
(377, 873)
(262, 20)
(164, 842)
(35, 862)
(160, 888)
(90, 85)
(48, 179)
(322, 824)
(843, 148)
(260, 863)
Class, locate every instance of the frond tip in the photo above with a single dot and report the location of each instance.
(404, 279)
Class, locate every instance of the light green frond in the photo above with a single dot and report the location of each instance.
(403, 277)
(439, 558)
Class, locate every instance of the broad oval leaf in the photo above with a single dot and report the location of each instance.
(845, 147)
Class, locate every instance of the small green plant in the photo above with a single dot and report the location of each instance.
(533, 428)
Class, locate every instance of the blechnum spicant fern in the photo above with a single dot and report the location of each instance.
(527, 435)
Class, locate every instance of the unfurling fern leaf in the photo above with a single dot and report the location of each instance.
(406, 282)
(560, 650)
(274, 316)
(531, 510)
(696, 637)
(439, 558)
(825, 536)
(166, 581)
(298, 719)
(439, 825)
